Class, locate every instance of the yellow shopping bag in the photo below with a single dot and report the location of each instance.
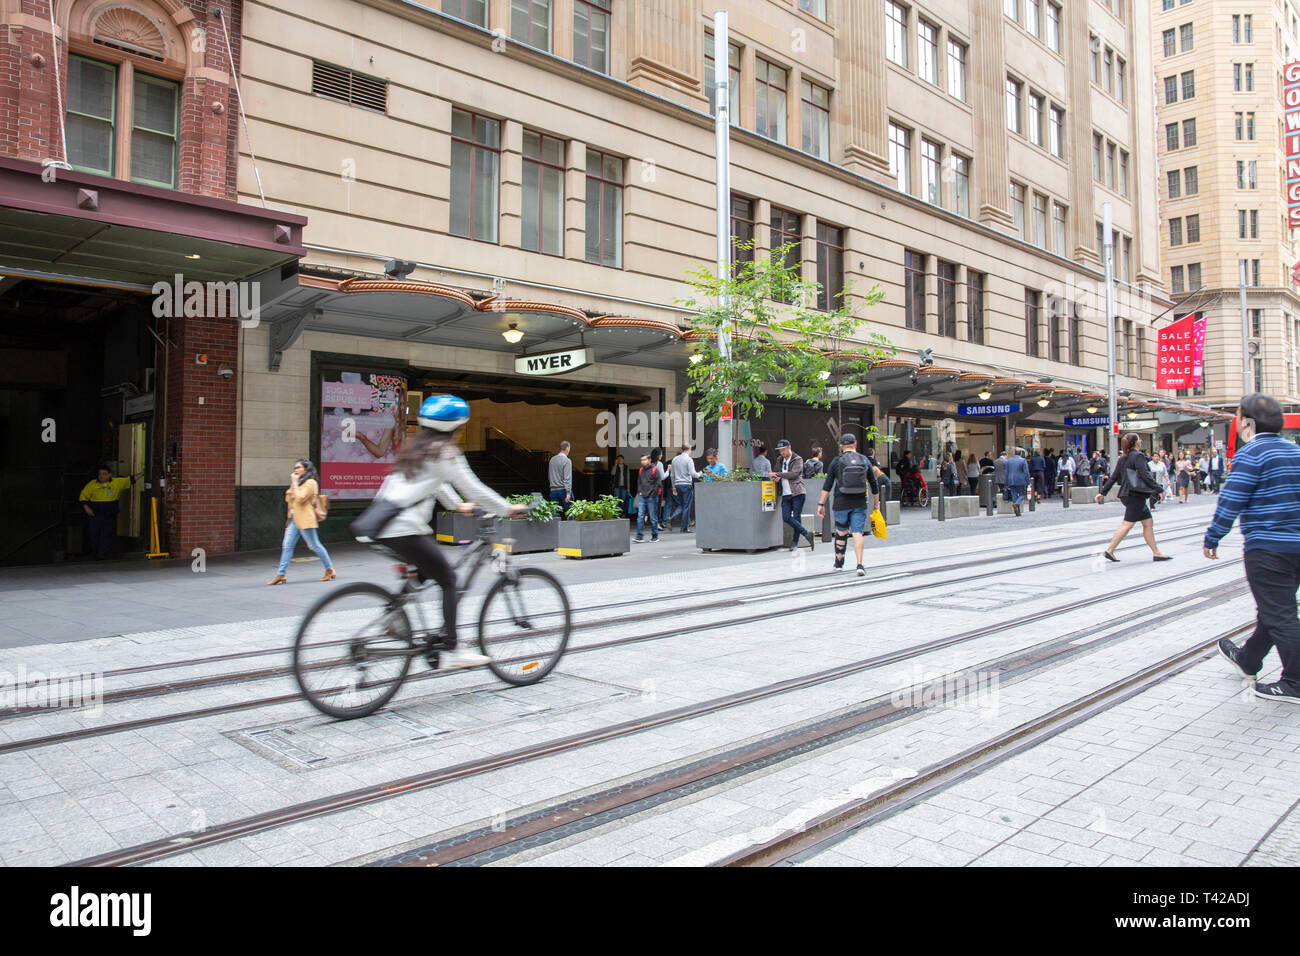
(878, 525)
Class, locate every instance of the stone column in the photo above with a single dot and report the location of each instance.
(1082, 238)
(809, 249)
(859, 105)
(793, 110)
(575, 202)
(762, 228)
(512, 182)
(665, 44)
(562, 28)
(931, 295)
(987, 83)
(963, 324)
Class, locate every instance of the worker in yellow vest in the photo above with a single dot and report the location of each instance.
(99, 500)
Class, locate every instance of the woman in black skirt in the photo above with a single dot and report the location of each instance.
(1136, 489)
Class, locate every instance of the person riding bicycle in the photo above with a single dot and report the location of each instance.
(430, 465)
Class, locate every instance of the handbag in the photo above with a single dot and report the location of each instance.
(321, 506)
(878, 528)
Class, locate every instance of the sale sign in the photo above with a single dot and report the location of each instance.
(1178, 361)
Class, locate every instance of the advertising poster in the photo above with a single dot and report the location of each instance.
(363, 424)
(1176, 360)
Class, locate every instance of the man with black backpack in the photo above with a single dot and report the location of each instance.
(849, 477)
(814, 467)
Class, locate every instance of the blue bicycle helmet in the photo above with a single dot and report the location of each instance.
(444, 413)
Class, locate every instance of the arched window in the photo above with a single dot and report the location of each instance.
(126, 68)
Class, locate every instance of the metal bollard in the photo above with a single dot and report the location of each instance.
(1032, 496)
(942, 517)
(1065, 492)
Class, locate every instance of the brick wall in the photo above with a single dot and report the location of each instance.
(200, 495)
(208, 142)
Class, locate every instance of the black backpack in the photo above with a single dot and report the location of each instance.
(812, 468)
(853, 473)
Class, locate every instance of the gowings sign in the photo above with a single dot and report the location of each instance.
(553, 363)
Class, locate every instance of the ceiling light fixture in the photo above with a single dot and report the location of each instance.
(512, 334)
(1043, 402)
(1132, 414)
(1205, 424)
(1092, 409)
(696, 358)
(985, 394)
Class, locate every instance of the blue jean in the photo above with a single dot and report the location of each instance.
(853, 520)
(558, 495)
(648, 503)
(291, 533)
(791, 512)
(685, 495)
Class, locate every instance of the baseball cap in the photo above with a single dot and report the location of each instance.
(848, 439)
(783, 444)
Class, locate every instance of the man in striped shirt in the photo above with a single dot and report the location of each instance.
(1263, 489)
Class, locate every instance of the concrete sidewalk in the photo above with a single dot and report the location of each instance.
(81, 601)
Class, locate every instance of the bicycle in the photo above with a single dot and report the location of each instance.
(372, 659)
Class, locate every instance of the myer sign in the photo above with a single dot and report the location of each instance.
(553, 363)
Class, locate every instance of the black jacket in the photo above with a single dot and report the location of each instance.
(1141, 465)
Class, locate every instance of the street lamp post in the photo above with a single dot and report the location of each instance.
(1109, 242)
(1245, 333)
(722, 132)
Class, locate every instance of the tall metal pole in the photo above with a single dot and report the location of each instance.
(1246, 388)
(1109, 241)
(722, 132)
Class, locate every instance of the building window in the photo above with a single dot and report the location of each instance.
(93, 123)
(1058, 228)
(1246, 174)
(1189, 132)
(1174, 179)
(960, 184)
(1250, 77)
(1037, 105)
(927, 52)
(1175, 232)
(1194, 276)
(543, 204)
(769, 85)
(1194, 228)
(914, 289)
(591, 34)
(931, 158)
(816, 119)
(1171, 137)
(1012, 9)
(1128, 259)
(1250, 126)
(1171, 89)
(1168, 39)
(1101, 244)
(1033, 311)
(472, 11)
(1247, 224)
(900, 157)
(947, 288)
(1109, 61)
(1185, 37)
(1056, 132)
(733, 80)
(1013, 106)
(1254, 224)
(1189, 84)
(530, 22)
(956, 69)
(1256, 323)
(1176, 279)
(1121, 79)
(1191, 185)
(1129, 351)
(1236, 77)
(604, 209)
(1123, 173)
(1018, 209)
(1110, 165)
(975, 306)
(1097, 145)
(742, 234)
(896, 33)
(1040, 220)
(816, 7)
(1254, 272)
(1094, 58)
(1257, 367)
(1242, 28)
(786, 236)
(1033, 12)
(1054, 26)
(830, 267)
(1055, 309)
(1076, 343)
(475, 184)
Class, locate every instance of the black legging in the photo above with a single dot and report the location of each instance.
(421, 551)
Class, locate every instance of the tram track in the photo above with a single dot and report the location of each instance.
(833, 582)
(352, 799)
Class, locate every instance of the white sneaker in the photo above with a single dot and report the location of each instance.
(459, 657)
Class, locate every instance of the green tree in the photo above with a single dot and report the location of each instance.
(776, 335)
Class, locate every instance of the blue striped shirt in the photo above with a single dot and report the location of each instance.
(1263, 489)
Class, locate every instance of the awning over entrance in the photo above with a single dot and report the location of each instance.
(79, 227)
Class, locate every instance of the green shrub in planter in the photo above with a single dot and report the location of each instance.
(604, 508)
(535, 532)
(597, 529)
(540, 510)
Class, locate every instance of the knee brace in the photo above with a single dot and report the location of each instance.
(841, 543)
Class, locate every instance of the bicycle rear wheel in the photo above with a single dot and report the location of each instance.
(352, 651)
(524, 625)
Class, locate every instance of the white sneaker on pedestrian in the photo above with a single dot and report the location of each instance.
(459, 657)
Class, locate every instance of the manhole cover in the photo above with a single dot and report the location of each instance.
(990, 597)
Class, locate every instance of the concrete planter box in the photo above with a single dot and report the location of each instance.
(1087, 496)
(593, 539)
(729, 516)
(529, 537)
(958, 506)
(456, 528)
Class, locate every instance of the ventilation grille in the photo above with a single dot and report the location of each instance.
(348, 86)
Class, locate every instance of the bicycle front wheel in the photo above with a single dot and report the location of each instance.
(353, 650)
(524, 625)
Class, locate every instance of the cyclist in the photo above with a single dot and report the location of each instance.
(430, 465)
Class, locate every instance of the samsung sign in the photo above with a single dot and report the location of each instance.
(976, 411)
(1089, 421)
(553, 363)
